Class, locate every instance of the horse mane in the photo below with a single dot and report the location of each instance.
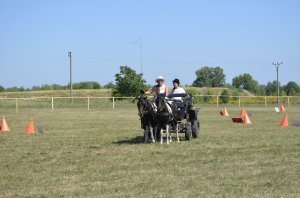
(149, 106)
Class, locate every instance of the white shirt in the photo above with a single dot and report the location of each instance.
(162, 89)
(179, 90)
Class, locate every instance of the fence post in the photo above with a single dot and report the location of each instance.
(266, 101)
(289, 101)
(52, 104)
(17, 105)
(217, 101)
(113, 100)
(88, 103)
(239, 101)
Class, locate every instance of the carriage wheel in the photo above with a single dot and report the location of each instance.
(188, 132)
(196, 129)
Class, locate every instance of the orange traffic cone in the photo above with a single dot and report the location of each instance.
(243, 112)
(246, 119)
(282, 109)
(4, 125)
(225, 112)
(30, 128)
(285, 121)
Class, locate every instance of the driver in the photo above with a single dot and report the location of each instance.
(159, 88)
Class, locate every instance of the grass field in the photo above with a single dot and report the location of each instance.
(99, 154)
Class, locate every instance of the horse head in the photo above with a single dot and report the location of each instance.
(145, 106)
(167, 111)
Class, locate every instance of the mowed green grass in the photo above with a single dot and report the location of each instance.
(100, 154)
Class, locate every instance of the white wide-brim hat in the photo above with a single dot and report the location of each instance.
(159, 78)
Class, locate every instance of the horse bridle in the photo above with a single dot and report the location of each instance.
(146, 104)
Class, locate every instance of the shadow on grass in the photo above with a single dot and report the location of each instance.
(140, 140)
(135, 140)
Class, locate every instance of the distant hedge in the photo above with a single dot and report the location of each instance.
(77, 85)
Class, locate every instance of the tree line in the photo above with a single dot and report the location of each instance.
(215, 77)
(78, 85)
(129, 83)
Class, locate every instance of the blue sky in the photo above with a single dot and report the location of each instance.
(178, 38)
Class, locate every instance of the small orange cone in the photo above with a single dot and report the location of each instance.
(282, 109)
(285, 121)
(246, 119)
(225, 112)
(4, 125)
(30, 128)
(243, 112)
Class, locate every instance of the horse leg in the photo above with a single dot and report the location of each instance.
(167, 133)
(146, 134)
(170, 134)
(177, 135)
(154, 132)
(161, 135)
(151, 134)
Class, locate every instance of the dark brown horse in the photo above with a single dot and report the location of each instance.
(146, 111)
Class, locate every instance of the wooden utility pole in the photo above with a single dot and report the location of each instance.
(277, 68)
(71, 86)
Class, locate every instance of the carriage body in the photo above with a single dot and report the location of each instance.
(188, 122)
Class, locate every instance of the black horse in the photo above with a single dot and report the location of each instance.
(167, 115)
(147, 110)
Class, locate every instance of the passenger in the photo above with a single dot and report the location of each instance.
(178, 100)
(160, 88)
(177, 89)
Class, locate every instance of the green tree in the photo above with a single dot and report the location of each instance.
(86, 85)
(128, 82)
(224, 98)
(261, 90)
(46, 87)
(209, 77)
(246, 81)
(36, 88)
(271, 89)
(21, 89)
(291, 89)
(110, 85)
(58, 87)
(2, 89)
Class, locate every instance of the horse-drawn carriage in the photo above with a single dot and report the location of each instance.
(165, 114)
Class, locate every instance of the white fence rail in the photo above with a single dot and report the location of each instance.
(111, 102)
